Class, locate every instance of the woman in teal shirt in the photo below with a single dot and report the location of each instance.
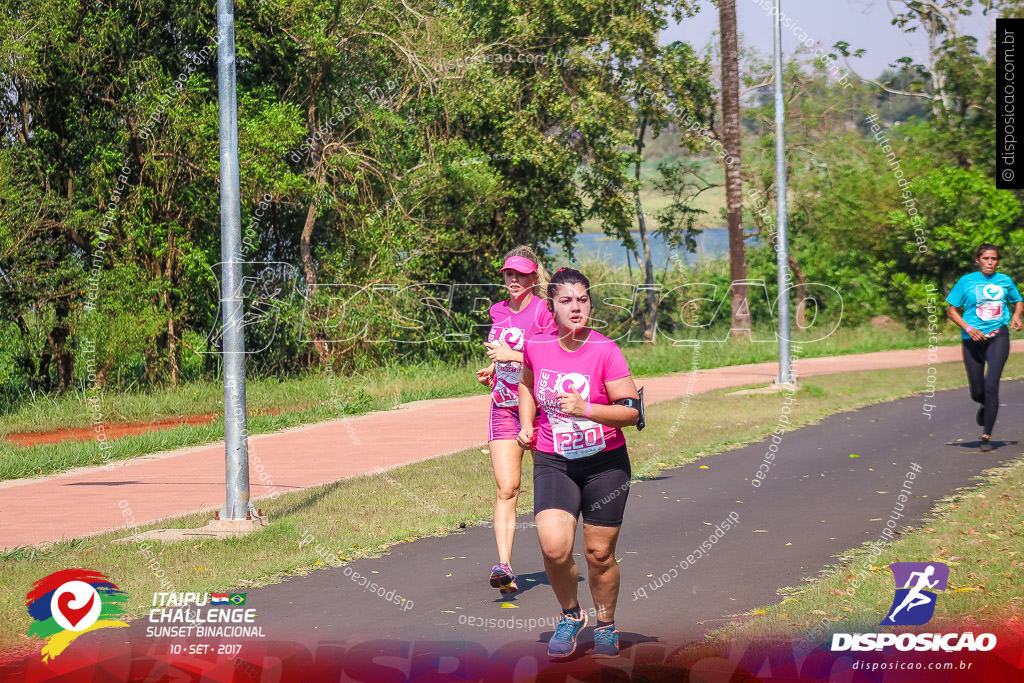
(985, 296)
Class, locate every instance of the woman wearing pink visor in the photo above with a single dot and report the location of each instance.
(522, 315)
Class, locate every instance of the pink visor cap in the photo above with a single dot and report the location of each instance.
(520, 265)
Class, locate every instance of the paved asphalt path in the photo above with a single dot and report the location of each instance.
(814, 503)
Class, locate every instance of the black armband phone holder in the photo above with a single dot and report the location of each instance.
(637, 403)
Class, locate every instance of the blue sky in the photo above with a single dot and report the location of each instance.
(862, 23)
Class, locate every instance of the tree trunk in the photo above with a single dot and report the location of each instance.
(172, 342)
(935, 28)
(44, 370)
(58, 339)
(173, 351)
(731, 138)
(800, 290)
(306, 238)
(306, 254)
(651, 318)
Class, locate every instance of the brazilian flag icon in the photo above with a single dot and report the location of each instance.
(237, 598)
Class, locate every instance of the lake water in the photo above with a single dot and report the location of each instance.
(712, 243)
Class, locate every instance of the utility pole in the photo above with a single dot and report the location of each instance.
(236, 453)
(782, 254)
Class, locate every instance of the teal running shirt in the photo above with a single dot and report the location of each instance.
(986, 301)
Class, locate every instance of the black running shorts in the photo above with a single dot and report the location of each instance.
(595, 486)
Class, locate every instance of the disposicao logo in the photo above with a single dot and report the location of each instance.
(914, 602)
(68, 603)
(914, 605)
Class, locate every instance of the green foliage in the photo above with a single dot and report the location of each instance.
(879, 209)
(959, 209)
(374, 147)
(393, 148)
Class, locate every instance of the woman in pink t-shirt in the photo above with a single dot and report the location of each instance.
(522, 315)
(575, 375)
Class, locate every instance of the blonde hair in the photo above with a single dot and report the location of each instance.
(540, 287)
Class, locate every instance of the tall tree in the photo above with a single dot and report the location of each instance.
(731, 138)
(663, 83)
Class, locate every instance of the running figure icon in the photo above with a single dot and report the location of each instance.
(916, 583)
(915, 598)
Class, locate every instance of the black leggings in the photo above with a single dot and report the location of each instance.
(985, 385)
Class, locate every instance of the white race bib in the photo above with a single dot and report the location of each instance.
(506, 384)
(989, 310)
(503, 395)
(576, 437)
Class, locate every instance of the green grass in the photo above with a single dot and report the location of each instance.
(319, 398)
(366, 515)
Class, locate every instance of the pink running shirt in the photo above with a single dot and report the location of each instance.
(513, 329)
(587, 368)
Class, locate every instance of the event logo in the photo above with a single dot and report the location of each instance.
(565, 384)
(68, 603)
(513, 336)
(914, 602)
(992, 292)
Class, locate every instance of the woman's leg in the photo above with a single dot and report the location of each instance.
(556, 530)
(996, 353)
(599, 548)
(604, 504)
(555, 493)
(974, 363)
(507, 461)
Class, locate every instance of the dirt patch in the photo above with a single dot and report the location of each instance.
(116, 431)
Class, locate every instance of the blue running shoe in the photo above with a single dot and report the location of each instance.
(503, 579)
(563, 643)
(606, 642)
